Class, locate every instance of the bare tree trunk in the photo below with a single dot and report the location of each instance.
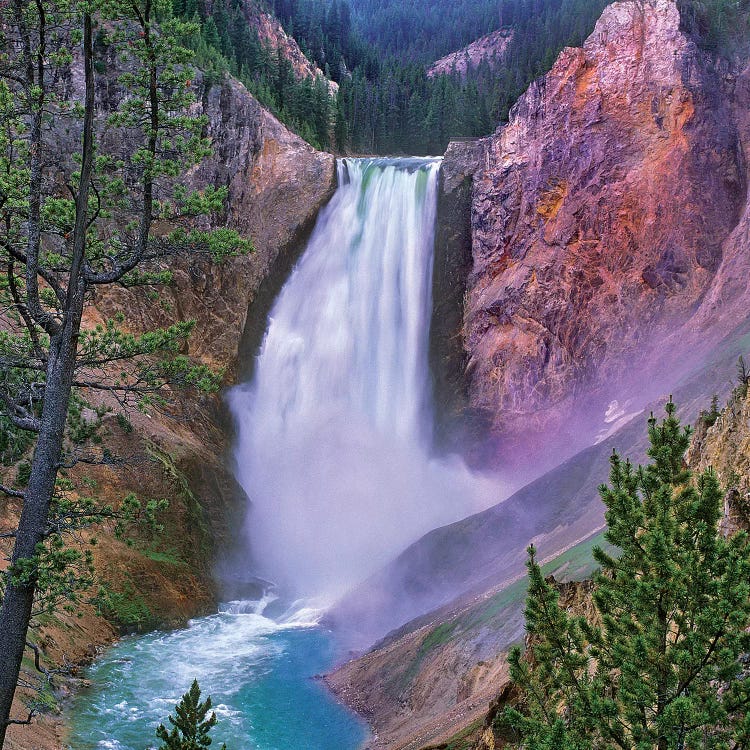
(32, 528)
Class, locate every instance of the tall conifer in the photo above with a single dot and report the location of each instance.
(664, 666)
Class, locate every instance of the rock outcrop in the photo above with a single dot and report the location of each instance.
(724, 446)
(271, 33)
(490, 49)
(608, 214)
(276, 184)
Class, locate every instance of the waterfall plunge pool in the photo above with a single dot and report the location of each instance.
(259, 672)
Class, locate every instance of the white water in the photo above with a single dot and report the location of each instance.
(257, 669)
(334, 430)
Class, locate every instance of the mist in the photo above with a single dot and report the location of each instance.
(335, 429)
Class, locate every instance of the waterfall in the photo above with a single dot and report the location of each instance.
(333, 432)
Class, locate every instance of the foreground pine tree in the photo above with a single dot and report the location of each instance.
(190, 728)
(666, 665)
(89, 200)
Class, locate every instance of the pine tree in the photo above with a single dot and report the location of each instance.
(211, 33)
(72, 224)
(190, 728)
(663, 667)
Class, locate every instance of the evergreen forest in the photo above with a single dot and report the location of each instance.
(386, 103)
(379, 53)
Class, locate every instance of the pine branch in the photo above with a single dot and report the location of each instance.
(19, 415)
(24, 313)
(22, 722)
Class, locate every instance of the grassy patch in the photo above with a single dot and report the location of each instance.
(437, 637)
(165, 557)
(125, 609)
(195, 512)
(42, 699)
(578, 562)
(464, 740)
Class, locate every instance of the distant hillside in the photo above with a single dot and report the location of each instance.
(424, 30)
(378, 53)
(489, 49)
(245, 39)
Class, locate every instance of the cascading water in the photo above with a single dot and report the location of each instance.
(333, 449)
(334, 430)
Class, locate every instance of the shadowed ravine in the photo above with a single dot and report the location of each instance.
(334, 436)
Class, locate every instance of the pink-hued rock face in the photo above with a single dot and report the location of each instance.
(490, 48)
(600, 217)
(272, 34)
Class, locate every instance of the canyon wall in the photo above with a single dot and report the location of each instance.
(276, 185)
(606, 215)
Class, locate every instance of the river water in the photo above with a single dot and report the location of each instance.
(260, 673)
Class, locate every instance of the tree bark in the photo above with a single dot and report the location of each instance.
(18, 598)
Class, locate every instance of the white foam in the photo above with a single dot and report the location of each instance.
(335, 431)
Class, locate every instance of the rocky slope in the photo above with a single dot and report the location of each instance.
(725, 447)
(272, 35)
(490, 49)
(434, 676)
(583, 260)
(276, 183)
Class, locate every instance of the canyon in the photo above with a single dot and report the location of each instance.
(591, 257)
(276, 184)
(591, 294)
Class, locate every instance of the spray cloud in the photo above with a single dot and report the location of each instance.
(334, 429)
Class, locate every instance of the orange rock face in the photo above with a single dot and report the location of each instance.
(601, 218)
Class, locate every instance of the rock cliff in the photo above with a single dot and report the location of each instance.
(490, 49)
(272, 34)
(276, 184)
(724, 446)
(609, 213)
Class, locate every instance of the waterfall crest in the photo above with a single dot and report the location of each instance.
(335, 427)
